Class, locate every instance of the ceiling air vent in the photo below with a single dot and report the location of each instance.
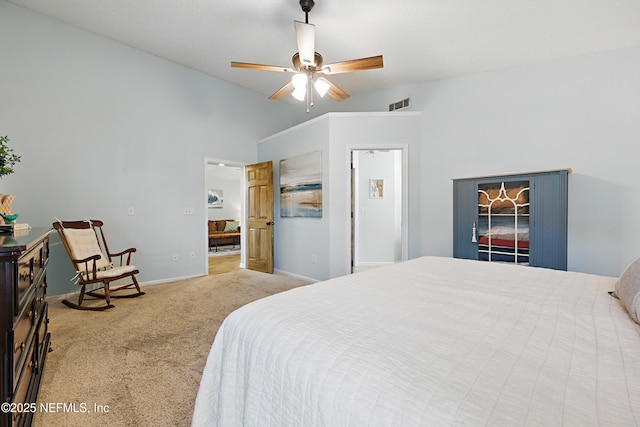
(399, 105)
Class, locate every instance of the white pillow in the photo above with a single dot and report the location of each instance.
(627, 289)
(84, 243)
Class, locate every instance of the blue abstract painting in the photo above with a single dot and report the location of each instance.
(301, 186)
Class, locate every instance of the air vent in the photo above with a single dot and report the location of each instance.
(399, 105)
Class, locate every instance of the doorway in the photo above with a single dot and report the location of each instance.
(378, 207)
(224, 187)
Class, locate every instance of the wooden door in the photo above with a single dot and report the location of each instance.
(260, 217)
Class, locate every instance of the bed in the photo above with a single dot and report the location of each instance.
(433, 341)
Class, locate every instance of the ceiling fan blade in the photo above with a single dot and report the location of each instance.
(282, 91)
(334, 91)
(306, 36)
(361, 64)
(262, 67)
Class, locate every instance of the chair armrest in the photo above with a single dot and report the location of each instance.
(121, 254)
(93, 258)
(85, 261)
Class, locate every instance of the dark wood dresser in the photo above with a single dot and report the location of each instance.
(23, 322)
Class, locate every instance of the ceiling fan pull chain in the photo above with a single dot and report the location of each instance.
(310, 91)
(309, 100)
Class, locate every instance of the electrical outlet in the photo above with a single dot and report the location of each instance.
(131, 211)
(175, 257)
(192, 255)
(314, 258)
(189, 211)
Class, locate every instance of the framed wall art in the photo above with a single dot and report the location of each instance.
(376, 188)
(301, 186)
(214, 198)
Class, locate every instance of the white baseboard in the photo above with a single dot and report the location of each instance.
(286, 273)
(174, 279)
(372, 264)
(142, 284)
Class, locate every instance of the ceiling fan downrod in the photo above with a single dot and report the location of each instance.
(306, 6)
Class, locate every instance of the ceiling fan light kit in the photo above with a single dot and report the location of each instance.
(299, 80)
(322, 86)
(307, 63)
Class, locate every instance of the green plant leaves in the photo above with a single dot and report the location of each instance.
(7, 157)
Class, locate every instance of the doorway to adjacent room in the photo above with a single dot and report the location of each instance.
(225, 211)
(378, 207)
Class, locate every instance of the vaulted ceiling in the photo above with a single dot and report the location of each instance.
(420, 40)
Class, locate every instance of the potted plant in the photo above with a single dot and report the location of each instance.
(8, 159)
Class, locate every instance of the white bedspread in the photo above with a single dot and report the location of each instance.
(429, 342)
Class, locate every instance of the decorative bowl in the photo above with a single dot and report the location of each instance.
(9, 218)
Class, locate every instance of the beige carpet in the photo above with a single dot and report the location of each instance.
(141, 361)
(224, 264)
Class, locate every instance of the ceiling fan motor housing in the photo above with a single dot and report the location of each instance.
(298, 65)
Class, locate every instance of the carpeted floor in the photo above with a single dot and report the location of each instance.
(224, 264)
(139, 364)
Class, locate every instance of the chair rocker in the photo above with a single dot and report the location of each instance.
(86, 246)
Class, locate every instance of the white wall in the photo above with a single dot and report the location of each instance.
(297, 240)
(581, 113)
(102, 127)
(329, 238)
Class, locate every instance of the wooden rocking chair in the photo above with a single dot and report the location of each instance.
(86, 247)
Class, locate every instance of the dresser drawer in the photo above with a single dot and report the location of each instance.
(31, 268)
(42, 330)
(38, 312)
(22, 336)
(39, 257)
(41, 292)
(24, 282)
(24, 382)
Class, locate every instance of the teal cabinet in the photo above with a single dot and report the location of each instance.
(514, 218)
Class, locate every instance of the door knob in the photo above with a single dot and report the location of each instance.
(270, 223)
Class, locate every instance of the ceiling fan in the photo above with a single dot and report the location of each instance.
(308, 66)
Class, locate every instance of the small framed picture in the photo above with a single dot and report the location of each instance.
(214, 198)
(376, 188)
